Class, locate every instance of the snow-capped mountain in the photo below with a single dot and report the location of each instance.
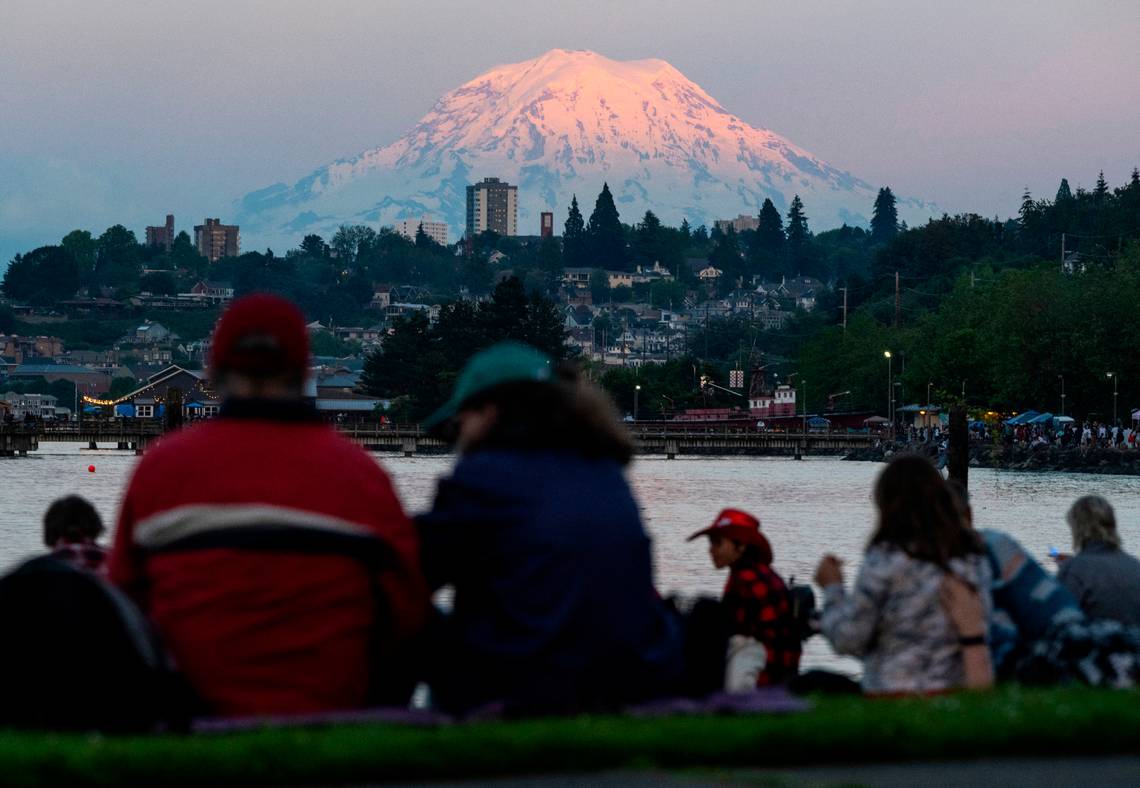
(562, 124)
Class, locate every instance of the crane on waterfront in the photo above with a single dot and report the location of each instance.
(832, 397)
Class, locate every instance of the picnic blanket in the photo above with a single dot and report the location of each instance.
(766, 700)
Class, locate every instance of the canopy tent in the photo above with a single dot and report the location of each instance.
(1136, 415)
(876, 420)
(818, 421)
(932, 409)
(1063, 419)
(1023, 418)
(1043, 418)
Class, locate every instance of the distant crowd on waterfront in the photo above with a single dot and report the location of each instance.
(1089, 434)
(263, 565)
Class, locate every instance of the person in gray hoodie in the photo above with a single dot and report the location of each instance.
(1104, 579)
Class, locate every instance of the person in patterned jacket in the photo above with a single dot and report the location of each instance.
(756, 602)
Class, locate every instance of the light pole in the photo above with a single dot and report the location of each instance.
(1062, 377)
(636, 391)
(803, 384)
(928, 385)
(890, 389)
(1114, 379)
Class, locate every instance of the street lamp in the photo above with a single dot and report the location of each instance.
(636, 391)
(1114, 379)
(928, 385)
(1062, 377)
(890, 388)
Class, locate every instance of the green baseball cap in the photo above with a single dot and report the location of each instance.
(505, 362)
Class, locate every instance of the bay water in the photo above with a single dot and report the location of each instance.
(806, 508)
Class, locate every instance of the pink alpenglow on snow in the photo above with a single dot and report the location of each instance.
(561, 124)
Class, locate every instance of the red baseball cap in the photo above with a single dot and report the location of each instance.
(738, 526)
(261, 334)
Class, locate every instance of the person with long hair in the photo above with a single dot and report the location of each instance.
(894, 619)
(537, 531)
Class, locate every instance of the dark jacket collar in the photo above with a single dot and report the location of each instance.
(270, 410)
(1098, 546)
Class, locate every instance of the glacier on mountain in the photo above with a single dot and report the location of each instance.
(563, 124)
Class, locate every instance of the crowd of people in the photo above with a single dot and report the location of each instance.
(1090, 434)
(281, 576)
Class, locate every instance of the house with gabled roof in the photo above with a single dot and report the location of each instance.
(149, 401)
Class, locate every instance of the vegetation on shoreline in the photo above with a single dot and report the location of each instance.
(987, 311)
(1009, 722)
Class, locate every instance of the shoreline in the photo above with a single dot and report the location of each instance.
(1104, 461)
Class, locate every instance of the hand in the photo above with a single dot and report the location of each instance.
(963, 606)
(829, 571)
(1061, 558)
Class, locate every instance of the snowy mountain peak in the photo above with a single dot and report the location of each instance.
(562, 123)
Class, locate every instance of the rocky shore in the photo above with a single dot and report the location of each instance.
(1017, 458)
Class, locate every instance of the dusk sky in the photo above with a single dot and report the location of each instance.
(123, 112)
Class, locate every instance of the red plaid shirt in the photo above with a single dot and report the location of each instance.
(756, 600)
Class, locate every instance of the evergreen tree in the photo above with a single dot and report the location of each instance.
(1136, 177)
(885, 219)
(423, 240)
(766, 244)
(798, 234)
(1064, 193)
(1028, 207)
(1100, 192)
(687, 231)
(770, 232)
(605, 234)
(649, 240)
(574, 237)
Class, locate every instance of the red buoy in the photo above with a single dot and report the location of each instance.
(91, 469)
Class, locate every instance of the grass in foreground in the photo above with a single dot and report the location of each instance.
(1005, 723)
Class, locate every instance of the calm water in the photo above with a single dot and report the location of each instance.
(806, 508)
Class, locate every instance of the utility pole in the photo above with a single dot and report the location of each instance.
(844, 289)
(1062, 253)
(898, 300)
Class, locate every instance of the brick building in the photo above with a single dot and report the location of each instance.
(215, 240)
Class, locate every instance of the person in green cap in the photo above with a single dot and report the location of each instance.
(537, 530)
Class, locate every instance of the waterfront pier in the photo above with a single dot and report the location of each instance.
(650, 439)
(18, 439)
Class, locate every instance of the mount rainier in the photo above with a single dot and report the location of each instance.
(562, 124)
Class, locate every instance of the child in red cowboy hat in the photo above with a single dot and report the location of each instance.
(755, 602)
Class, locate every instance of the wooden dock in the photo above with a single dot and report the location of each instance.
(17, 438)
(668, 441)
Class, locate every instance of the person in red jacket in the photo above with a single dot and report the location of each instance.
(271, 554)
(756, 602)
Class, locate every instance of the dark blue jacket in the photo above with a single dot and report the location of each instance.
(555, 607)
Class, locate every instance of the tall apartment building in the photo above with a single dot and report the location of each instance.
(546, 225)
(492, 205)
(739, 224)
(437, 231)
(162, 236)
(215, 240)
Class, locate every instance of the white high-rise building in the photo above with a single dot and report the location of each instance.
(437, 231)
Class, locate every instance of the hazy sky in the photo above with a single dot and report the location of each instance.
(124, 111)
